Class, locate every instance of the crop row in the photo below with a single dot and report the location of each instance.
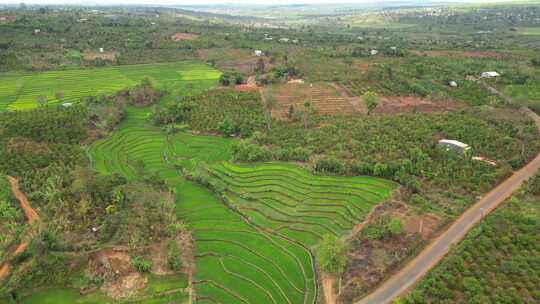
(20, 90)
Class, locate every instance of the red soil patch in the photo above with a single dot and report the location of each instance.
(363, 66)
(424, 224)
(245, 88)
(406, 104)
(474, 54)
(184, 36)
(324, 98)
(89, 56)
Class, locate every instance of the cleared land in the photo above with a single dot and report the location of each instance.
(254, 245)
(183, 36)
(323, 97)
(19, 90)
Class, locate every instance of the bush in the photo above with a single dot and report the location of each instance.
(331, 254)
(383, 228)
(248, 151)
(141, 264)
(174, 257)
(329, 166)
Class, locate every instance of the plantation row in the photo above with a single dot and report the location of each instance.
(20, 90)
(497, 262)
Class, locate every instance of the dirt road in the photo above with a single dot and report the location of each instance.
(407, 277)
(31, 216)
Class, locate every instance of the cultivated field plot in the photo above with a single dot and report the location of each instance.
(243, 61)
(258, 251)
(19, 91)
(323, 97)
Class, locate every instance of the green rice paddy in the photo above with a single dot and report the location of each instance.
(253, 239)
(20, 90)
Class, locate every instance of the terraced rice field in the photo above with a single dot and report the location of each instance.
(20, 90)
(324, 98)
(254, 246)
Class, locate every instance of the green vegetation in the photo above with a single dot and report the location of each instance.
(19, 90)
(236, 258)
(497, 262)
(220, 111)
(331, 254)
(11, 217)
(383, 228)
(404, 148)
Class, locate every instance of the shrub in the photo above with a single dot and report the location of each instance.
(174, 257)
(329, 165)
(141, 264)
(248, 151)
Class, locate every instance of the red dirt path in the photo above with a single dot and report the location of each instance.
(31, 216)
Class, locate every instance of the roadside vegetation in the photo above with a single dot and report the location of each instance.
(497, 262)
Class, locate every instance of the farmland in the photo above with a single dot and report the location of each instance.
(20, 90)
(323, 97)
(244, 253)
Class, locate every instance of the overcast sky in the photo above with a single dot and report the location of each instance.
(192, 2)
(183, 2)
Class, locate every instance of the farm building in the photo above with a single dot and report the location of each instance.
(285, 40)
(373, 52)
(490, 74)
(453, 84)
(258, 53)
(454, 145)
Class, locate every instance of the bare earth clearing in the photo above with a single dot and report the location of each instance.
(407, 104)
(184, 36)
(323, 97)
(89, 56)
(474, 54)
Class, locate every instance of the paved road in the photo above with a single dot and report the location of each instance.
(437, 249)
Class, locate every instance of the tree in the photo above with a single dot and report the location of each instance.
(371, 100)
(331, 254)
(259, 68)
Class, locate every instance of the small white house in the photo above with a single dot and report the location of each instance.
(268, 38)
(67, 104)
(258, 53)
(452, 84)
(37, 31)
(454, 145)
(490, 74)
(373, 52)
(284, 40)
(101, 50)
